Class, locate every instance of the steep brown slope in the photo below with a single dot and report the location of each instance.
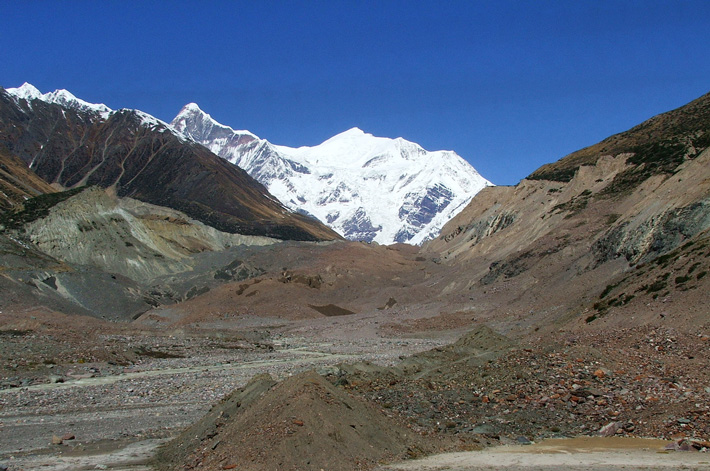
(17, 182)
(540, 254)
(140, 157)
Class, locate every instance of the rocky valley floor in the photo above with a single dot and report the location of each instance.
(106, 398)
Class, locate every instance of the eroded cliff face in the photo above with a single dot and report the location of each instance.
(554, 242)
(656, 217)
(94, 253)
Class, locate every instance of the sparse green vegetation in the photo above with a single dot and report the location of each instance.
(664, 259)
(612, 218)
(607, 290)
(657, 286)
(653, 158)
(563, 175)
(687, 245)
(681, 279)
(574, 205)
(36, 208)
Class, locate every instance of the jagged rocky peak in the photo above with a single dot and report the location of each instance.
(201, 127)
(363, 186)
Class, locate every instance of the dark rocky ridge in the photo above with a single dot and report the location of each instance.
(143, 159)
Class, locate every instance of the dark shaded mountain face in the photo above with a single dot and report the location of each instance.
(140, 157)
(17, 182)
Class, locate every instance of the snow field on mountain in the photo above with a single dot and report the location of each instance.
(364, 187)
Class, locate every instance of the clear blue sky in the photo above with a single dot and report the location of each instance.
(509, 85)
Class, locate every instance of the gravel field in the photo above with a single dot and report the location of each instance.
(116, 415)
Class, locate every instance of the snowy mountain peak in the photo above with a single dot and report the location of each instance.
(60, 97)
(191, 116)
(191, 108)
(26, 91)
(352, 132)
(364, 187)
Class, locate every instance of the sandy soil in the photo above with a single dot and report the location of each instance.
(579, 454)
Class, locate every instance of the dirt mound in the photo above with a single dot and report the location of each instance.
(302, 423)
(479, 340)
(474, 348)
(172, 455)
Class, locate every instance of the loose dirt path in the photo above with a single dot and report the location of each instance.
(577, 454)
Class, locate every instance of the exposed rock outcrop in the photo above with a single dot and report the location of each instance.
(125, 236)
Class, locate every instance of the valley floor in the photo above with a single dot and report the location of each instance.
(117, 415)
(111, 410)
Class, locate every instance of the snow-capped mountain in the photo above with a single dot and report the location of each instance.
(60, 97)
(72, 143)
(95, 111)
(364, 187)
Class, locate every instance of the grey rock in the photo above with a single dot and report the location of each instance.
(610, 429)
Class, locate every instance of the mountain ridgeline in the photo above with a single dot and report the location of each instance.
(71, 143)
(364, 187)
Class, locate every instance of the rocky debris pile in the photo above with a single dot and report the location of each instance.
(302, 423)
(593, 385)
(475, 348)
(178, 450)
